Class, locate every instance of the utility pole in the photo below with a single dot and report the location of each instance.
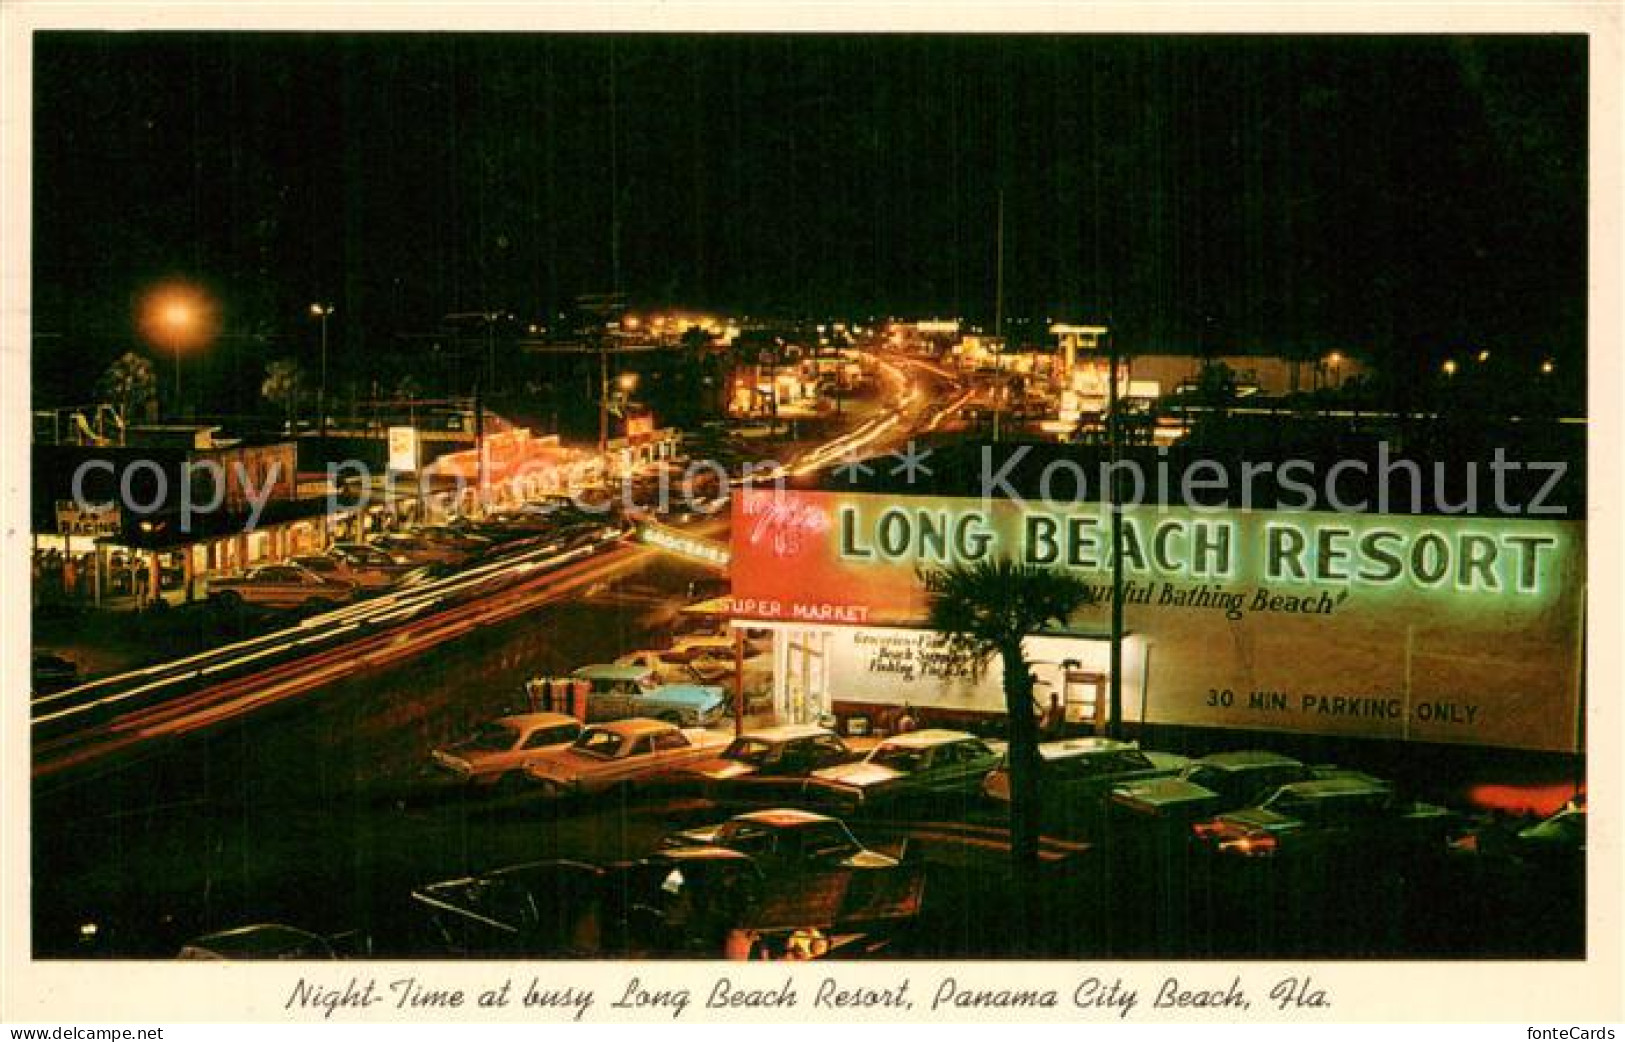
(1114, 503)
(490, 351)
(603, 402)
(322, 311)
(998, 323)
(479, 447)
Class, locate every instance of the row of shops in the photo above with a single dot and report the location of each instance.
(144, 522)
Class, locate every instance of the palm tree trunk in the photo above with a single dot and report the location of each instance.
(1024, 810)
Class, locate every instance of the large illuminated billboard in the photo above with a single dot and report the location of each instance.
(1428, 628)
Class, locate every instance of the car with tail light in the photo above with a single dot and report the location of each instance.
(787, 838)
(614, 756)
(1349, 812)
(770, 764)
(498, 752)
(918, 766)
(418, 550)
(279, 586)
(367, 579)
(1077, 775)
(1214, 783)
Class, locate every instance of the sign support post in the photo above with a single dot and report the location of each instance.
(739, 682)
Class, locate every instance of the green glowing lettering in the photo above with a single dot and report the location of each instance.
(1284, 548)
(1430, 558)
(1476, 569)
(1040, 540)
(1331, 556)
(1528, 548)
(892, 533)
(1081, 547)
(933, 535)
(1159, 545)
(849, 536)
(969, 539)
(1133, 553)
(1390, 565)
(1210, 548)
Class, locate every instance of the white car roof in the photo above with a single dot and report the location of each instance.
(787, 732)
(528, 720)
(925, 739)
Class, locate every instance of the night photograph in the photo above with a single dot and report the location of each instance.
(724, 497)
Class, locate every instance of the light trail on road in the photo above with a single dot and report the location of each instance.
(229, 698)
(154, 701)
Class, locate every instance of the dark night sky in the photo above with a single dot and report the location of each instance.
(1395, 196)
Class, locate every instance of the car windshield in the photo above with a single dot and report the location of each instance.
(899, 758)
(492, 737)
(828, 840)
(604, 744)
(1225, 783)
(748, 750)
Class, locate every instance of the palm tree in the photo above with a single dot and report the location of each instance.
(130, 384)
(283, 382)
(989, 608)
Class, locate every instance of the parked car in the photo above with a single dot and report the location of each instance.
(769, 765)
(1076, 777)
(619, 692)
(1559, 838)
(462, 539)
(1350, 811)
(709, 900)
(786, 838)
(360, 555)
(703, 665)
(330, 566)
(280, 586)
(1222, 781)
(721, 644)
(683, 902)
(259, 941)
(52, 672)
(905, 767)
(679, 902)
(418, 550)
(1562, 835)
(499, 751)
(545, 908)
(668, 669)
(615, 755)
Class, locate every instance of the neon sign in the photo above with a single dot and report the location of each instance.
(694, 548)
(1422, 553)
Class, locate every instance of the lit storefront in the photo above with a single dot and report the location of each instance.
(1462, 630)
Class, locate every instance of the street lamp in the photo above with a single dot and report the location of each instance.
(177, 316)
(322, 312)
(1449, 367)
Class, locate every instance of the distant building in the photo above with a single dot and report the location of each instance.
(176, 501)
